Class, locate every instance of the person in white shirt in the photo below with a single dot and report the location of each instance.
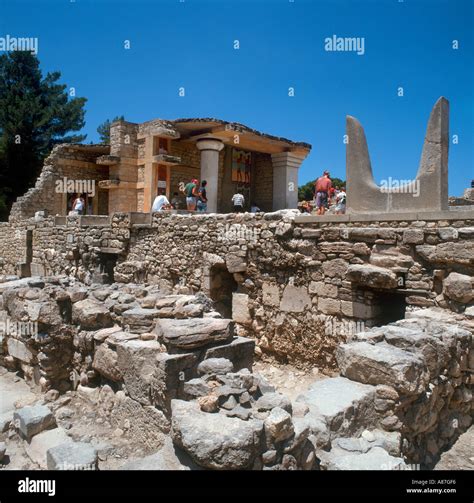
(160, 203)
(238, 200)
(341, 202)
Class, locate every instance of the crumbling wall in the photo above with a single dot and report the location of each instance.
(75, 162)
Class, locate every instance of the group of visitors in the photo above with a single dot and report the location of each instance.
(325, 195)
(196, 195)
(196, 199)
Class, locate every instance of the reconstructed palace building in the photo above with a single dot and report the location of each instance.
(165, 155)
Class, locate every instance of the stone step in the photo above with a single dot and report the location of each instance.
(185, 334)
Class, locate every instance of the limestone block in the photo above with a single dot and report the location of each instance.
(105, 363)
(335, 268)
(413, 236)
(215, 441)
(357, 310)
(459, 287)
(372, 276)
(45, 440)
(278, 425)
(323, 289)
(235, 263)
(448, 233)
(215, 366)
(459, 252)
(345, 406)
(19, 350)
(193, 333)
(32, 420)
(140, 320)
(271, 294)
(136, 361)
(91, 314)
(72, 456)
(240, 352)
(374, 459)
(383, 364)
(329, 306)
(295, 299)
(240, 308)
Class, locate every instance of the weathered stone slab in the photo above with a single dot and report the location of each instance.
(374, 459)
(140, 320)
(31, 420)
(170, 374)
(240, 308)
(382, 364)
(91, 314)
(72, 456)
(240, 352)
(193, 333)
(19, 350)
(459, 287)
(215, 366)
(269, 401)
(372, 276)
(270, 294)
(347, 407)
(137, 361)
(214, 440)
(295, 299)
(461, 252)
(235, 263)
(105, 363)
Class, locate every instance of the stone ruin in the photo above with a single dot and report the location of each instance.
(143, 353)
(169, 372)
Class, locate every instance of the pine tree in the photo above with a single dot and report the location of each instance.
(36, 113)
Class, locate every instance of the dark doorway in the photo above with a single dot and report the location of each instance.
(105, 271)
(389, 307)
(222, 285)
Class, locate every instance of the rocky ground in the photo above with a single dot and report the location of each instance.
(287, 379)
(77, 419)
(461, 454)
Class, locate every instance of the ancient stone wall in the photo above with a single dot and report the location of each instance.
(73, 162)
(299, 289)
(12, 247)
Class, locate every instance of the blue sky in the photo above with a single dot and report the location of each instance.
(190, 44)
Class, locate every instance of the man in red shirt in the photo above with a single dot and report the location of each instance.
(323, 186)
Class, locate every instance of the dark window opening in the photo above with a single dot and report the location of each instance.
(222, 286)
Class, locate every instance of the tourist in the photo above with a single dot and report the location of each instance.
(202, 198)
(305, 207)
(238, 200)
(190, 189)
(175, 201)
(341, 202)
(322, 187)
(254, 208)
(161, 202)
(78, 205)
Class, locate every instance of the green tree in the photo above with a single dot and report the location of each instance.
(306, 191)
(104, 129)
(36, 113)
